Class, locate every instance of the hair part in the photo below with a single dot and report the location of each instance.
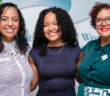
(95, 10)
(64, 23)
(20, 37)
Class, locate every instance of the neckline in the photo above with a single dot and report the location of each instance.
(58, 46)
(9, 44)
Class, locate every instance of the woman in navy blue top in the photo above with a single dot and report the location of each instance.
(55, 54)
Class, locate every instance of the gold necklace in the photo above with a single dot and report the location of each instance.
(57, 52)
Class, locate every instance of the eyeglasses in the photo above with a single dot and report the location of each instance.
(99, 21)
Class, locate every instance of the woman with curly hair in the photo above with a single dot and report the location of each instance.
(55, 54)
(94, 68)
(15, 71)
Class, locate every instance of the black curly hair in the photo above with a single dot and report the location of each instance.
(20, 37)
(67, 27)
(95, 10)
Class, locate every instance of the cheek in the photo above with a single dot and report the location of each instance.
(17, 25)
(45, 30)
(45, 34)
(97, 28)
(61, 33)
(2, 25)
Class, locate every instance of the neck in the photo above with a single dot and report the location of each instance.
(105, 41)
(8, 40)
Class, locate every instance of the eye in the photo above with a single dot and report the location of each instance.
(108, 18)
(4, 19)
(45, 25)
(55, 23)
(15, 19)
(98, 20)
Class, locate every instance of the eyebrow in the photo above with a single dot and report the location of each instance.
(53, 21)
(13, 17)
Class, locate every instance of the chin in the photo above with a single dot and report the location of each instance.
(105, 36)
(52, 40)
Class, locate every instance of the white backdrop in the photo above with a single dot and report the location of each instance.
(78, 10)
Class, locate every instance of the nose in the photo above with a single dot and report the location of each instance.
(51, 27)
(104, 22)
(10, 23)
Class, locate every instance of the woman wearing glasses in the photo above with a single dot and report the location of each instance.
(94, 68)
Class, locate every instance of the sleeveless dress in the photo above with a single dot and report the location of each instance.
(56, 71)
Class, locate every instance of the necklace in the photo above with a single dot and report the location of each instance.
(57, 52)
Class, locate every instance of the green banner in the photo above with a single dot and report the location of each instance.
(0, 1)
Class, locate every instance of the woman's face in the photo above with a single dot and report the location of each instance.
(51, 31)
(103, 29)
(9, 24)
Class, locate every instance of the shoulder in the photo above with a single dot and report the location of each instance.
(91, 43)
(33, 52)
(74, 48)
(77, 47)
(89, 46)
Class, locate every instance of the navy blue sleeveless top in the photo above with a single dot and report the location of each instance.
(56, 71)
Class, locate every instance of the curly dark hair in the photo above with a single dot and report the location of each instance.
(20, 37)
(95, 10)
(63, 20)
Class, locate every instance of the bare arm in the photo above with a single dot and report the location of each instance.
(35, 79)
(76, 73)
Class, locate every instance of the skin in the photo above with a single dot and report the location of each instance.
(35, 79)
(104, 29)
(54, 39)
(9, 24)
(77, 73)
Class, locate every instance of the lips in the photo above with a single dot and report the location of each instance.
(105, 29)
(52, 33)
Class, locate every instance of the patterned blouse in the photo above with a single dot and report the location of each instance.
(15, 72)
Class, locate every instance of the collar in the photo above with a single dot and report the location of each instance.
(106, 48)
(97, 45)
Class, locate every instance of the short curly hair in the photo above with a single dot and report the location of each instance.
(20, 37)
(67, 27)
(95, 10)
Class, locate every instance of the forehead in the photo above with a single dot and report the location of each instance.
(103, 13)
(50, 16)
(9, 11)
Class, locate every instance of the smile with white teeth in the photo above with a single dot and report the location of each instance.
(52, 33)
(9, 30)
(104, 29)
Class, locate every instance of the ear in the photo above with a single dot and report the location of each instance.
(59, 28)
